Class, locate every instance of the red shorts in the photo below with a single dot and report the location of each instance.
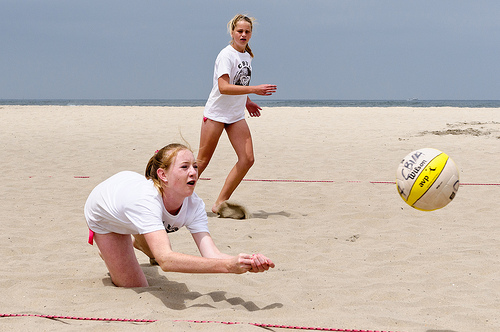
(91, 237)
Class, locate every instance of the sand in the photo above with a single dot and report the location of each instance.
(349, 253)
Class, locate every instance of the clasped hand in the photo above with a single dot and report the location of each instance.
(252, 263)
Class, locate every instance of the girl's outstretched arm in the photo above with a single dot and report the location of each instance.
(227, 88)
(207, 247)
(171, 261)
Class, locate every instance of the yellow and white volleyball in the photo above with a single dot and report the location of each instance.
(427, 179)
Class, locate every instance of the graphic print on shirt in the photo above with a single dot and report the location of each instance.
(244, 74)
(171, 229)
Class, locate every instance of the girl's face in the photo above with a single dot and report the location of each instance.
(241, 35)
(182, 175)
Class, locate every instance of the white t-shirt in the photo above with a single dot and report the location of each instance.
(229, 108)
(128, 203)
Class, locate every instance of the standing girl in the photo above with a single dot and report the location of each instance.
(225, 108)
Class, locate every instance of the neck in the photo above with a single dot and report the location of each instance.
(238, 48)
(172, 204)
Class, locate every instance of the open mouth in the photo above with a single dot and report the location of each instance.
(191, 183)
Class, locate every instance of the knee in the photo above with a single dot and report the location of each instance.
(131, 283)
(247, 162)
(202, 164)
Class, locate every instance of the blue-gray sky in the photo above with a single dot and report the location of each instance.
(314, 49)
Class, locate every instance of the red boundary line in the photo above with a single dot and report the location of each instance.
(188, 321)
(81, 318)
(351, 181)
(280, 326)
(317, 181)
(480, 184)
(276, 180)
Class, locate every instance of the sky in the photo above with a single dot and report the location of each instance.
(314, 49)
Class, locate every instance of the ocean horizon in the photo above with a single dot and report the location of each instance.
(261, 102)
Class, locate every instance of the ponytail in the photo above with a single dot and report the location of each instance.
(249, 50)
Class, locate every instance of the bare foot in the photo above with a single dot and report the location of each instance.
(231, 210)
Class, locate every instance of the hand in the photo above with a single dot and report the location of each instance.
(253, 109)
(265, 89)
(240, 264)
(260, 263)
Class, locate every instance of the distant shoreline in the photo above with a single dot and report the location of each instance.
(262, 102)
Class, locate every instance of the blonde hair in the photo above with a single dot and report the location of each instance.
(231, 25)
(163, 158)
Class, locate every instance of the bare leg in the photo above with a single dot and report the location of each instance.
(209, 137)
(117, 251)
(141, 244)
(241, 140)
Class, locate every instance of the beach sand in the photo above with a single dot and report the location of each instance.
(349, 253)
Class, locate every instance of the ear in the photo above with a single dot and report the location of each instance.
(162, 174)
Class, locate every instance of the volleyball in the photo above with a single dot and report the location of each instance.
(427, 179)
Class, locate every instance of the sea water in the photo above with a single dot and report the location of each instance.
(260, 102)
